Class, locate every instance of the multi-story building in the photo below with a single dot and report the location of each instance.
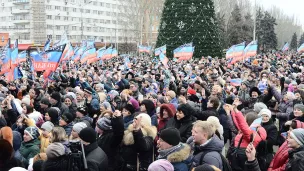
(32, 21)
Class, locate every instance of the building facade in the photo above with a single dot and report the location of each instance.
(33, 21)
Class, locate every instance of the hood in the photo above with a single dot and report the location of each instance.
(170, 109)
(214, 144)
(17, 139)
(181, 155)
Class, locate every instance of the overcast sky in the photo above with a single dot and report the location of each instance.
(290, 7)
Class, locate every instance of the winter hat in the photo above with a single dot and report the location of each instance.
(170, 136)
(88, 135)
(71, 94)
(48, 126)
(186, 109)
(45, 101)
(150, 106)
(134, 103)
(7, 134)
(191, 91)
(204, 167)
(300, 107)
(171, 94)
(161, 165)
(130, 108)
(69, 97)
(104, 123)
(255, 62)
(54, 112)
(32, 131)
(88, 90)
(259, 106)
(17, 169)
(161, 99)
(67, 117)
(113, 93)
(26, 101)
(254, 89)
(146, 119)
(79, 126)
(298, 135)
(55, 150)
(56, 96)
(215, 124)
(17, 139)
(101, 86)
(265, 112)
(246, 83)
(82, 110)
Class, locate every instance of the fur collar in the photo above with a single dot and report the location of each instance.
(181, 155)
(128, 138)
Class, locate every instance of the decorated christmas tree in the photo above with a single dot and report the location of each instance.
(186, 21)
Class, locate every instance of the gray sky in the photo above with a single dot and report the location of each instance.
(290, 7)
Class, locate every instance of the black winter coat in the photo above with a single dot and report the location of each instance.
(296, 160)
(184, 126)
(252, 166)
(204, 115)
(96, 158)
(109, 142)
(272, 134)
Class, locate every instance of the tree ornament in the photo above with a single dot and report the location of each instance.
(192, 8)
(181, 25)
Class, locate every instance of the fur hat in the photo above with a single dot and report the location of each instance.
(254, 89)
(88, 135)
(172, 94)
(161, 165)
(55, 150)
(145, 119)
(265, 112)
(7, 134)
(150, 106)
(130, 108)
(32, 131)
(79, 126)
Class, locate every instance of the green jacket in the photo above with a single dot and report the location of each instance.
(29, 149)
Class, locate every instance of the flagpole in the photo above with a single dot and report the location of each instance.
(254, 25)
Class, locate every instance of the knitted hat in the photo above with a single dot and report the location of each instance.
(26, 101)
(161, 165)
(145, 119)
(134, 103)
(55, 150)
(259, 106)
(48, 126)
(32, 131)
(191, 91)
(204, 167)
(298, 135)
(88, 135)
(246, 83)
(88, 90)
(130, 108)
(300, 107)
(171, 94)
(17, 139)
(45, 101)
(7, 134)
(69, 97)
(82, 110)
(104, 123)
(56, 96)
(170, 136)
(67, 117)
(265, 112)
(79, 126)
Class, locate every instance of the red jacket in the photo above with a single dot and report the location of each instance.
(280, 159)
(246, 132)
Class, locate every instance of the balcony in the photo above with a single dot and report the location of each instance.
(20, 11)
(21, 1)
(18, 21)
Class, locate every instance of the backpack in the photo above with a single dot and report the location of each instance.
(225, 163)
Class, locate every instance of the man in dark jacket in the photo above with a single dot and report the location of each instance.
(206, 146)
(212, 105)
(55, 100)
(96, 158)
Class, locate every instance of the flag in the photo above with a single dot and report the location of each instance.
(21, 57)
(109, 53)
(47, 45)
(89, 53)
(49, 60)
(77, 55)
(127, 62)
(285, 47)
(236, 82)
(98, 55)
(251, 49)
(235, 53)
(164, 59)
(6, 58)
(301, 48)
(160, 49)
(146, 49)
(62, 41)
(75, 51)
(14, 55)
(68, 52)
(184, 52)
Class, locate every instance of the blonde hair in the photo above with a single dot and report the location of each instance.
(40, 156)
(205, 126)
(58, 134)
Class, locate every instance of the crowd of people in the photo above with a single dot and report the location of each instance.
(190, 116)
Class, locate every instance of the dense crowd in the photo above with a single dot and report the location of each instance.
(190, 116)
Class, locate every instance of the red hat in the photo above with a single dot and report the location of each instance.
(191, 91)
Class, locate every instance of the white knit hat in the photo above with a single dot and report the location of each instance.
(265, 112)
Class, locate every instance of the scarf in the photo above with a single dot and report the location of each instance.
(164, 153)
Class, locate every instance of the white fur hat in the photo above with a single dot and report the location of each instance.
(145, 119)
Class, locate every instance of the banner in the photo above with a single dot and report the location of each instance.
(184, 52)
(89, 53)
(251, 49)
(49, 60)
(21, 57)
(6, 58)
(146, 49)
(285, 47)
(236, 82)
(235, 53)
(301, 48)
(160, 50)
